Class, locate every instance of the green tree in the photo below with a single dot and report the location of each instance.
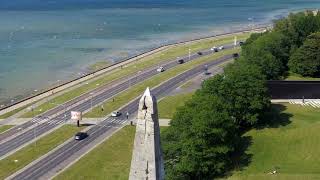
(242, 88)
(270, 52)
(298, 26)
(252, 38)
(306, 60)
(200, 139)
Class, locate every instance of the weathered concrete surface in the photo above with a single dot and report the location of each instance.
(147, 162)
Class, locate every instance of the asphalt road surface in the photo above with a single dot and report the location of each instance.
(12, 139)
(40, 168)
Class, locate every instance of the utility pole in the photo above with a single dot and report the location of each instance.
(189, 54)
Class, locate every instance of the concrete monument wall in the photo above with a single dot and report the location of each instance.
(147, 162)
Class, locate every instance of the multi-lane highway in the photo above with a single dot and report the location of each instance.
(15, 138)
(40, 169)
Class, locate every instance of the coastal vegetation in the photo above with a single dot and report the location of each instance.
(207, 135)
(99, 65)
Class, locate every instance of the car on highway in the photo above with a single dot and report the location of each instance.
(199, 53)
(160, 69)
(221, 47)
(235, 55)
(241, 43)
(115, 114)
(180, 61)
(215, 49)
(80, 135)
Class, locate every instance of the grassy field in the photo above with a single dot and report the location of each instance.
(26, 155)
(5, 127)
(293, 76)
(290, 146)
(133, 68)
(110, 160)
(138, 89)
(168, 105)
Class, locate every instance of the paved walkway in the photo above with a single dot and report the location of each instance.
(307, 102)
(315, 103)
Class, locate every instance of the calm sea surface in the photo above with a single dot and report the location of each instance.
(46, 42)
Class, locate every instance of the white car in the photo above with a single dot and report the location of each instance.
(160, 69)
(215, 49)
(221, 47)
(115, 114)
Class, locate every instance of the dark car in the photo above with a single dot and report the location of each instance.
(235, 55)
(241, 43)
(80, 135)
(180, 61)
(199, 53)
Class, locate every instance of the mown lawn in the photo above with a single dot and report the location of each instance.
(110, 160)
(297, 77)
(5, 127)
(31, 152)
(133, 68)
(168, 105)
(136, 90)
(290, 145)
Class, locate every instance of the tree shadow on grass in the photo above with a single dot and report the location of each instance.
(275, 117)
(241, 159)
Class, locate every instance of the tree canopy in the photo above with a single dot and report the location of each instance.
(199, 140)
(206, 130)
(306, 59)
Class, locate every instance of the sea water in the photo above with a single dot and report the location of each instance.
(43, 43)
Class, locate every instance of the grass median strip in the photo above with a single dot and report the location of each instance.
(26, 155)
(136, 90)
(110, 160)
(11, 113)
(132, 68)
(3, 128)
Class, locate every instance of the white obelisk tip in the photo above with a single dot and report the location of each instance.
(147, 92)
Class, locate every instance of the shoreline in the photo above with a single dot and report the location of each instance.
(65, 85)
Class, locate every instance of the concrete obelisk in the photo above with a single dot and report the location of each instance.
(147, 162)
